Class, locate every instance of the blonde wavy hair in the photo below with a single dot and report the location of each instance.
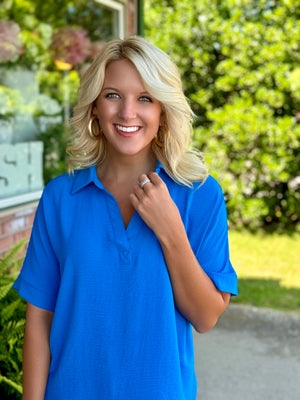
(162, 80)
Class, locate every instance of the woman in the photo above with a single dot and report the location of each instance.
(129, 249)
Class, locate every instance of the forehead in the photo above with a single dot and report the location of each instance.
(122, 72)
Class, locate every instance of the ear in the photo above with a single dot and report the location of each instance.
(94, 110)
(162, 121)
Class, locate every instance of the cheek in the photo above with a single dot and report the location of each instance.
(154, 117)
(105, 111)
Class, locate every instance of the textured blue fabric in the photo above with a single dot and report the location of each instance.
(116, 333)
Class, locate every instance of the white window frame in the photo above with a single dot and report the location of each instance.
(120, 7)
(18, 200)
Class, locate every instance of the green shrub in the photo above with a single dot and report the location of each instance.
(239, 61)
(55, 141)
(12, 323)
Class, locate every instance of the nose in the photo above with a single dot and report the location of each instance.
(128, 109)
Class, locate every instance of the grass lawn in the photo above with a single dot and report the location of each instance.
(268, 268)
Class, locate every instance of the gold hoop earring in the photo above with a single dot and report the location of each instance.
(99, 133)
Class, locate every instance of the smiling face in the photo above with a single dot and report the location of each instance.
(128, 116)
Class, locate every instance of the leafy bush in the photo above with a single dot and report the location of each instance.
(55, 140)
(12, 323)
(240, 66)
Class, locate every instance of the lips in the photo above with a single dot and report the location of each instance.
(127, 130)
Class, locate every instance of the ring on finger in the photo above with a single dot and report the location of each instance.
(144, 181)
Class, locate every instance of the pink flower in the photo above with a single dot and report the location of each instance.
(10, 44)
(71, 45)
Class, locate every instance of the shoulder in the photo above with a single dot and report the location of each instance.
(208, 203)
(64, 191)
(63, 187)
(210, 188)
(70, 183)
(199, 200)
(59, 185)
(208, 197)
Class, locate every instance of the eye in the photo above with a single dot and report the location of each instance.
(112, 96)
(145, 98)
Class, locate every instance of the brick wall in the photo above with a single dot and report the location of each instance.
(15, 224)
(132, 16)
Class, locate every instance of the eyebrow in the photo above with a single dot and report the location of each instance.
(117, 90)
(110, 88)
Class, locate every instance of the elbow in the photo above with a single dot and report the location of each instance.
(205, 326)
(205, 318)
(207, 321)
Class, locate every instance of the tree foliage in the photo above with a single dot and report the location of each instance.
(12, 324)
(239, 61)
(40, 22)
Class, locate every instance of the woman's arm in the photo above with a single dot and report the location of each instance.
(195, 294)
(36, 352)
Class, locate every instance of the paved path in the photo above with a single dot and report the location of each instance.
(251, 354)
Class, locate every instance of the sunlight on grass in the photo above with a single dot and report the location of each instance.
(267, 256)
(268, 268)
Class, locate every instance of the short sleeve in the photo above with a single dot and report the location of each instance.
(39, 279)
(210, 243)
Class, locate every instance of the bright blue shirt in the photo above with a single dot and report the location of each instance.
(116, 332)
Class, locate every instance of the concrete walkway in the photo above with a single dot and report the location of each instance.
(251, 354)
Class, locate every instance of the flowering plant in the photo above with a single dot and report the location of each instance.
(10, 43)
(71, 45)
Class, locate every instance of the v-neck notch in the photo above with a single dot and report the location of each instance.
(123, 237)
(135, 215)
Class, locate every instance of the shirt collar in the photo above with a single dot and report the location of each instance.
(159, 166)
(83, 177)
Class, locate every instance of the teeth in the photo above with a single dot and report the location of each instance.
(127, 128)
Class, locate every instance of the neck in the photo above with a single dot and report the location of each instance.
(125, 169)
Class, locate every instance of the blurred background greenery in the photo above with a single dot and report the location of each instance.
(268, 269)
(240, 63)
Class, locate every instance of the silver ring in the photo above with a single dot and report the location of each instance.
(143, 183)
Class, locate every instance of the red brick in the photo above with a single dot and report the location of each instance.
(6, 242)
(5, 228)
(22, 234)
(30, 219)
(14, 225)
(6, 217)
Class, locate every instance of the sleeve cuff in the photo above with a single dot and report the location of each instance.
(225, 282)
(33, 295)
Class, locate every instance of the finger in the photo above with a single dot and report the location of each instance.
(155, 178)
(143, 181)
(134, 200)
(138, 192)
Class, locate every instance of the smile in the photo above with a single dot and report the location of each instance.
(127, 129)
